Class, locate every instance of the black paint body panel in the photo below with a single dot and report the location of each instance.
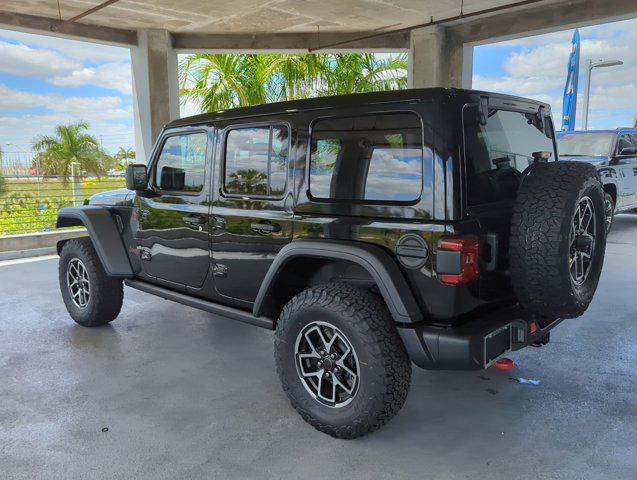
(226, 260)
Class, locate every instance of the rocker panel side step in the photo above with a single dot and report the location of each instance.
(230, 312)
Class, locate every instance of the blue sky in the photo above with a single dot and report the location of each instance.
(45, 81)
(535, 67)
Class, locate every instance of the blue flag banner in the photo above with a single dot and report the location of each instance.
(570, 89)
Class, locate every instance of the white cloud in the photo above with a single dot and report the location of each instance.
(537, 69)
(115, 76)
(31, 62)
(65, 63)
(109, 107)
(62, 70)
(74, 49)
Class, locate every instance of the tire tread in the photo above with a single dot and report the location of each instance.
(107, 292)
(370, 316)
(543, 209)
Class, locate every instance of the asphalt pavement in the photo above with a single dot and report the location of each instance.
(169, 392)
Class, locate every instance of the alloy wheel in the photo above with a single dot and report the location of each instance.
(327, 364)
(78, 283)
(582, 241)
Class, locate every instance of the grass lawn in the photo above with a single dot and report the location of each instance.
(27, 205)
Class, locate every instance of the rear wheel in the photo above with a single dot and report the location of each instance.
(340, 360)
(92, 298)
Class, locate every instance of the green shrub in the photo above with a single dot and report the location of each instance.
(28, 206)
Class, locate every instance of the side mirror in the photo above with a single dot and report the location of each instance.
(136, 177)
(628, 151)
(172, 178)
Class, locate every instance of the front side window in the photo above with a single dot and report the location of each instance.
(256, 161)
(497, 153)
(181, 164)
(368, 158)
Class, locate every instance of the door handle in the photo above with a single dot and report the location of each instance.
(194, 220)
(266, 227)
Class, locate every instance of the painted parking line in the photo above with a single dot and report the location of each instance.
(17, 261)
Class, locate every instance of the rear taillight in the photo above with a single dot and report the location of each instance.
(457, 260)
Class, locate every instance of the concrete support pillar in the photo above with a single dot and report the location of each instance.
(155, 88)
(438, 59)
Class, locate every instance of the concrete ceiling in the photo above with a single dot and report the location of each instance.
(253, 16)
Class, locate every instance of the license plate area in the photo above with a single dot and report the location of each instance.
(496, 343)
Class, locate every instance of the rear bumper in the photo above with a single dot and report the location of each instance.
(474, 345)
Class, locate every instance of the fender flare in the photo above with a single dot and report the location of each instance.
(104, 235)
(376, 261)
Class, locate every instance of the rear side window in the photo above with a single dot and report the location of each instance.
(368, 158)
(497, 153)
(256, 161)
(182, 163)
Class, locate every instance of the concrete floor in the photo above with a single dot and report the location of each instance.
(186, 395)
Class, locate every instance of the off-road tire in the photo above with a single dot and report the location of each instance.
(609, 224)
(106, 293)
(539, 242)
(385, 368)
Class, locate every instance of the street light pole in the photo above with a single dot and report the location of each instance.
(587, 80)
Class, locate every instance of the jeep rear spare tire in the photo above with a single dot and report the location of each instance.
(558, 238)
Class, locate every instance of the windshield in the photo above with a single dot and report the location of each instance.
(585, 144)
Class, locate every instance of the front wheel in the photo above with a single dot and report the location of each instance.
(92, 298)
(340, 360)
(609, 211)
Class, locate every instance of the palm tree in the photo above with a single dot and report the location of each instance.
(124, 157)
(360, 73)
(219, 81)
(295, 76)
(70, 144)
(249, 182)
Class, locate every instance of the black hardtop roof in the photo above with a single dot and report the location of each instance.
(337, 101)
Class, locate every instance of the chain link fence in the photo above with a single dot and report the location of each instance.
(29, 202)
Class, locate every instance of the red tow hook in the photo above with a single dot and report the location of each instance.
(503, 364)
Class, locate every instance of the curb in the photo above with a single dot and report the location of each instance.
(11, 244)
(33, 252)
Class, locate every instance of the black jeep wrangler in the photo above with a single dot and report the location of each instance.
(368, 231)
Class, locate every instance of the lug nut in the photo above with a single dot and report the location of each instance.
(333, 356)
